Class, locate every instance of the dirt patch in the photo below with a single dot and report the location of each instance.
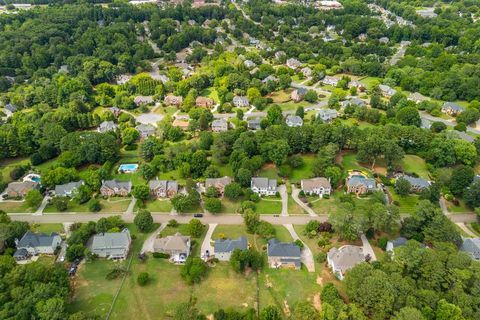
(245, 305)
(319, 280)
(317, 303)
(269, 166)
(286, 308)
(210, 317)
(268, 283)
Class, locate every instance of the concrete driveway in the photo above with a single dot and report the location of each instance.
(148, 244)
(295, 192)
(149, 118)
(284, 195)
(307, 256)
(367, 248)
(207, 242)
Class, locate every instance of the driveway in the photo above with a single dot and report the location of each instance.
(207, 242)
(295, 192)
(465, 229)
(443, 206)
(149, 118)
(148, 244)
(307, 255)
(367, 248)
(42, 206)
(284, 195)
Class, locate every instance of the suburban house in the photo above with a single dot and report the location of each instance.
(395, 243)
(344, 258)
(416, 97)
(68, 189)
(218, 183)
(142, 100)
(307, 72)
(283, 255)
(264, 186)
(241, 101)
(224, 247)
(359, 184)
(32, 244)
(19, 189)
(163, 188)
(11, 107)
(384, 40)
(471, 246)
(327, 114)
(293, 63)
(145, 130)
(115, 111)
(297, 95)
(111, 245)
(387, 91)
(357, 84)
(452, 109)
(177, 246)
(354, 101)
(112, 188)
(173, 100)
(427, 13)
(220, 125)
(331, 81)
(280, 54)
(107, 126)
(249, 64)
(182, 124)
(270, 78)
(204, 102)
(316, 186)
(254, 124)
(294, 121)
(417, 184)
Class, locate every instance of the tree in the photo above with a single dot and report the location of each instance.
(274, 115)
(270, 313)
(276, 151)
(408, 313)
(462, 177)
(448, 311)
(468, 116)
(311, 96)
(144, 221)
(251, 220)
(233, 191)
(75, 251)
(141, 192)
(60, 203)
(438, 126)
(143, 278)
(402, 187)
(194, 270)
(213, 205)
(300, 112)
(199, 163)
(345, 222)
(304, 311)
(33, 198)
(409, 116)
(195, 228)
(129, 135)
(472, 195)
(94, 205)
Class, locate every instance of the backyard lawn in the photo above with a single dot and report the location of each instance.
(412, 163)
(268, 206)
(6, 166)
(461, 208)
(406, 204)
(305, 171)
(269, 171)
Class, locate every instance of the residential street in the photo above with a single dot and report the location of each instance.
(451, 123)
(307, 256)
(295, 192)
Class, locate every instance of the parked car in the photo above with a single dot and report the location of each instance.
(198, 215)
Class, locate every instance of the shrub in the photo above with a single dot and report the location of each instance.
(94, 205)
(321, 257)
(299, 243)
(160, 255)
(143, 278)
(382, 243)
(60, 203)
(172, 223)
(213, 205)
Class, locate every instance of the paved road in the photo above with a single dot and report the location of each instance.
(367, 248)
(295, 192)
(149, 118)
(452, 123)
(298, 85)
(284, 195)
(148, 244)
(207, 242)
(307, 255)
(465, 229)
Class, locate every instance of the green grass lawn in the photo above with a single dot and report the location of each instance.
(47, 228)
(461, 208)
(407, 204)
(269, 171)
(16, 207)
(322, 206)
(305, 171)
(354, 122)
(350, 162)
(230, 206)
(369, 82)
(412, 163)
(6, 166)
(268, 207)
(293, 207)
(46, 166)
(157, 206)
(114, 204)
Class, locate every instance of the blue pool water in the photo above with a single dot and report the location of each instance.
(128, 167)
(35, 179)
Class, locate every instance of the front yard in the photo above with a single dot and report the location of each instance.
(16, 207)
(268, 206)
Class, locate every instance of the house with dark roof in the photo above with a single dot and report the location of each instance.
(145, 130)
(225, 247)
(163, 188)
(111, 245)
(353, 101)
(114, 187)
(294, 121)
(218, 183)
(107, 126)
(417, 184)
(283, 255)
(263, 186)
(471, 246)
(395, 243)
(319, 186)
(359, 184)
(342, 259)
(254, 124)
(19, 189)
(67, 189)
(452, 109)
(32, 244)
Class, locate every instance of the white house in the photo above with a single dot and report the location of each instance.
(264, 186)
(316, 186)
(344, 258)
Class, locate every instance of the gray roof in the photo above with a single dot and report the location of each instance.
(264, 183)
(67, 188)
(269, 78)
(301, 91)
(294, 120)
(472, 247)
(212, 182)
(163, 184)
(220, 124)
(283, 249)
(22, 186)
(452, 106)
(20, 253)
(346, 257)
(228, 245)
(416, 182)
(107, 126)
(361, 180)
(240, 100)
(327, 114)
(111, 240)
(254, 123)
(115, 184)
(143, 99)
(11, 107)
(387, 89)
(145, 129)
(400, 241)
(31, 239)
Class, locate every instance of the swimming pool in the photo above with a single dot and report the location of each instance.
(32, 177)
(128, 167)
